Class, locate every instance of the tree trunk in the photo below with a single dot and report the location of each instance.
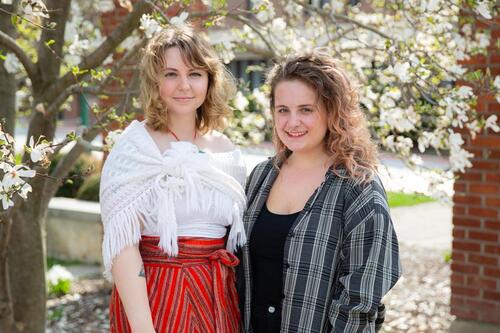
(26, 259)
(7, 323)
(7, 81)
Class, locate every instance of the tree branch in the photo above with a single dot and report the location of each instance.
(68, 160)
(344, 18)
(10, 43)
(96, 58)
(72, 89)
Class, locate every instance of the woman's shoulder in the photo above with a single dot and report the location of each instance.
(261, 169)
(369, 195)
(218, 142)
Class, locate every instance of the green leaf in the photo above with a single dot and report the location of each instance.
(71, 136)
(50, 42)
(15, 19)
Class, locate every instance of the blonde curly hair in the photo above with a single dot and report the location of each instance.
(347, 140)
(197, 52)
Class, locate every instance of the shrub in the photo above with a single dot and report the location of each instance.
(90, 188)
(76, 177)
(59, 280)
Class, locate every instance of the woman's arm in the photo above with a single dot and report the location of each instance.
(370, 265)
(129, 278)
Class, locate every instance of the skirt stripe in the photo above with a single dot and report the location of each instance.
(193, 292)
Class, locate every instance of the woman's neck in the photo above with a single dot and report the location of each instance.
(309, 160)
(183, 128)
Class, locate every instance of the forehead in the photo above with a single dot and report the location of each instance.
(294, 92)
(175, 58)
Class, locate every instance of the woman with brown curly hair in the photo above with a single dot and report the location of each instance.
(172, 198)
(322, 249)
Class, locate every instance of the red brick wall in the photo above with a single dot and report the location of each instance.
(475, 277)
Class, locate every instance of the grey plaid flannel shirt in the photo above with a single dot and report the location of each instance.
(340, 258)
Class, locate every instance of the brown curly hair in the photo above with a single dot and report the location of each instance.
(347, 140)
(198, 53)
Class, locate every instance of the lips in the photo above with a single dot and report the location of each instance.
(296, 134)
(183, 99)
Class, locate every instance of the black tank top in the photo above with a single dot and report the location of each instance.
(266, 252)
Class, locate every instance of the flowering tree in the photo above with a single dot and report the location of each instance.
(405, 55)
(50, 51)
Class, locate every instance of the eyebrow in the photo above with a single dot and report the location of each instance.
(176, 70)
(300, 106)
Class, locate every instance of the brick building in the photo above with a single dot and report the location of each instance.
(475, 278)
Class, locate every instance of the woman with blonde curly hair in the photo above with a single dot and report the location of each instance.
(172, 197)
(322, 249)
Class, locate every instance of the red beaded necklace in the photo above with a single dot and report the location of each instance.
(175, 135)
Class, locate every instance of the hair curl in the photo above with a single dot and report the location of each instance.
(197, 52)
(347, 140)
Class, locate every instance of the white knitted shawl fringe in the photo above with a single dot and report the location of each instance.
(140, 185)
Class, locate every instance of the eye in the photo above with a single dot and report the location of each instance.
(281, 110)
(306, 110)
(195, 74)
(170, 74)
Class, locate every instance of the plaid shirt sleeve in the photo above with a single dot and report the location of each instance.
(370, 264)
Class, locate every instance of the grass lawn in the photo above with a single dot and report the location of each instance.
(398, 199)
(51, 261)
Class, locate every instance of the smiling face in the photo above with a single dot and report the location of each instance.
(182, 87)
(299, 116)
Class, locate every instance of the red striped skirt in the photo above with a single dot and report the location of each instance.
(193, 292)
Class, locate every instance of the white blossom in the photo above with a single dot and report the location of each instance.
(256, 136)
(417, 160)
(403, 120)
(337, 5)
(72, 59)
(496, 84)
(474, 128)
(260, 98)
(459, 159)
(264, 9)
(70, 32)
(39, 151)
(149, 25)
(430, 5)
(7, 2)
(130, 42)
(399, 144)
(111, 139)
(58, 273)
(483, 9)
(104, 6)
(109, 60)
(11, 64)
(35, 8)
(240, 101)
(5, 197)
(401, 71)
(483, 40)
(13, 174)
(179, 20)
(491, 122)
(23, 192)
(457, 69)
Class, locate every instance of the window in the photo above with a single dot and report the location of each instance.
(254, 79)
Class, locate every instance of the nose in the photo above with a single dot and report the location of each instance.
(293, 119)
(184, 83)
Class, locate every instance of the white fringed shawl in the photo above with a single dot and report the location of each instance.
(140, 185)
